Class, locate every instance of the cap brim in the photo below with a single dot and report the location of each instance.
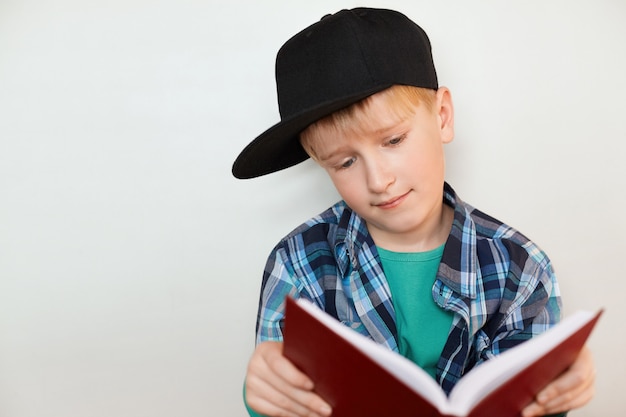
(279, 146)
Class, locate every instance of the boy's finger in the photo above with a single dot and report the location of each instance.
(571, 390)
(274, 382)
(569, 400)
(267, 400)
(279, 365)
(577, 379)
(304, 397)
(561, 404)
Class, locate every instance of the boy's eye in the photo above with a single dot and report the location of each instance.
(348, 163)
(396, 140)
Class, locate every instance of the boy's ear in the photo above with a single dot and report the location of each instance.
(445, 114)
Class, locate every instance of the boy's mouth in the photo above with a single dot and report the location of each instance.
(393, 202)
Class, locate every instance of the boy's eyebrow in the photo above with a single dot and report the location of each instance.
(392, 127)
(332, 153)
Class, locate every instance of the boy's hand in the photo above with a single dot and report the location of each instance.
(573, 389)
(275, 387)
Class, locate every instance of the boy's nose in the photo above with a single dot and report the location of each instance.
(379, 176)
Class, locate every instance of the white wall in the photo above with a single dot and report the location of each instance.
(130, 259)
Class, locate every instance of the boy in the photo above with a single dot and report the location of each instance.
(401, 259)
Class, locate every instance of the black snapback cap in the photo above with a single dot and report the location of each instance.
(332, 64)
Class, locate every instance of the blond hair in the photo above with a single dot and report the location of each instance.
(402, 101)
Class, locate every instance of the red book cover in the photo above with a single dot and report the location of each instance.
(358, 377)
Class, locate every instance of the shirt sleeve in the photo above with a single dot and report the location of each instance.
(278, 283)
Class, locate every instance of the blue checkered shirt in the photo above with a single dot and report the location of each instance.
(499, 285)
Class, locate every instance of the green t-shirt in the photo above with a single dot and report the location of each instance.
(422, 325)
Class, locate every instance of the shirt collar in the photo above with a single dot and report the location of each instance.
(459, 264)
(350, 237)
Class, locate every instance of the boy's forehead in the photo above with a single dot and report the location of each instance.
(380, 115)
(376, 114)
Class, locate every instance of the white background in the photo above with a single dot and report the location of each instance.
(130, 259)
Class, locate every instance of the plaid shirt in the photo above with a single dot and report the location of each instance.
(499, 284)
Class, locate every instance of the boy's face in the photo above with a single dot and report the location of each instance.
(391, 172)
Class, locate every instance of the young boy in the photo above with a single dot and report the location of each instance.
(401, 259)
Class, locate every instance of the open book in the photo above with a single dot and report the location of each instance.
(359, 377)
